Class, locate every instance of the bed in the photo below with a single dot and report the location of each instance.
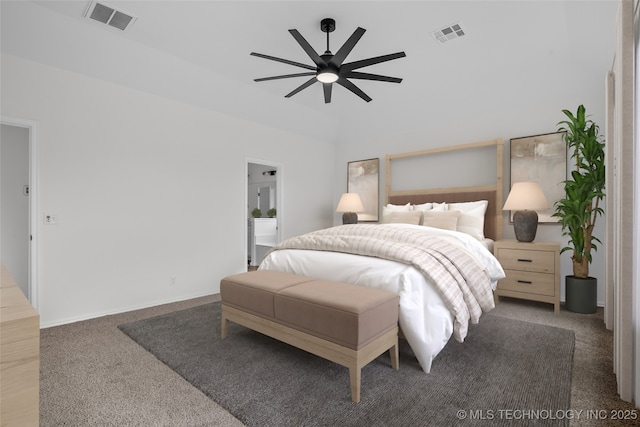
(445, 277)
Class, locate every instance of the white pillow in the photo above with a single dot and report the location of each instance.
(440, 207)
(403, 217)
(446, 220)
(395, 208)
(423, 207)
(386, 210)
(471, 220)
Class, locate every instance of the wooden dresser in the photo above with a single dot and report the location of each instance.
(19, 356)
(532, 269)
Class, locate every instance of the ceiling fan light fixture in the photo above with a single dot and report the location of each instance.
(327, 76)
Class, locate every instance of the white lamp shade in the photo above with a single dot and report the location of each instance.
(350, 202)
(526, 196)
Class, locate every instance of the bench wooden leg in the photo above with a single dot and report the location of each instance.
(223, 326)
(395, 357)
(354, 374)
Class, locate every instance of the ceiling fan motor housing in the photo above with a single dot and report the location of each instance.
(327, 66)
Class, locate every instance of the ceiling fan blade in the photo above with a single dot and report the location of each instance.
(346, 48)
(286, 76)
(327, 92)
(370, 61)
(368, 76)
(286, 61)
(305, 85)
(353, 88)
(307, 48)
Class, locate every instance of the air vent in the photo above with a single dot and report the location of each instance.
(451, 32)
(109, 15)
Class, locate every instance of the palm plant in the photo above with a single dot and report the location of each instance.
(584, 191)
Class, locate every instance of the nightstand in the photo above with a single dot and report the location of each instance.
(532, 270)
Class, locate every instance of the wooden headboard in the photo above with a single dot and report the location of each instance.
(492, 192)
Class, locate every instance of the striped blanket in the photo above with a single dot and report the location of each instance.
(463, 284)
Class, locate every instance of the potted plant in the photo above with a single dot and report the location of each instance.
(580, 208)
(256, 213)
(271, 213)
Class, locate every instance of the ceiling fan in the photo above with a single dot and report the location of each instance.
(329, 68)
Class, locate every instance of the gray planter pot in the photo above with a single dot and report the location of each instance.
(581, 295)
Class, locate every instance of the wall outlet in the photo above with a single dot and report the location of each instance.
(50, 219)
(172, 281)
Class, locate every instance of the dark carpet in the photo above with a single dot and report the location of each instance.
(507, 372)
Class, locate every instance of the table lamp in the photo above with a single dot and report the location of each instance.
(525, 198)
(350, 204)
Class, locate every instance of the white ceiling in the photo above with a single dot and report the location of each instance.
(198, 52)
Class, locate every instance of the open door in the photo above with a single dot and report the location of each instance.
(264, 209)
(18, 177)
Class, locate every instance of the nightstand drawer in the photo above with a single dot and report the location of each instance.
(527, 260)
(528, 282)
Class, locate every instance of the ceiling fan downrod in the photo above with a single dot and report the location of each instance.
(328, 25)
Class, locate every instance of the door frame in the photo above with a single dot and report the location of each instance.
(279, 197)
(33, 127)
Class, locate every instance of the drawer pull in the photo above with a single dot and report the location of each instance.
(527, 282)
(524, 260)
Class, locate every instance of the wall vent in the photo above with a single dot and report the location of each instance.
(102, 12)
(451, 32)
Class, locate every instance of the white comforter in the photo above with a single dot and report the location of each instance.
(424, 318)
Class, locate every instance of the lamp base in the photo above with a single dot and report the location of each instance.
(525, 225)
(349, 218)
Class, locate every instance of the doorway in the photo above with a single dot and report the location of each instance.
(263, 209)
(18, 204)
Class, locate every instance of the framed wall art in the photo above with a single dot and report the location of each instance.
(363, 178)
(541, 158)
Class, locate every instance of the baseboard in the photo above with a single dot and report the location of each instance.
(124, 310)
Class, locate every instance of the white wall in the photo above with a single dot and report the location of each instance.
(511, 112)
(14, 226)
(145, 188)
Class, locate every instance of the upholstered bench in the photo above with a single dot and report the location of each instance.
(347, 324)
